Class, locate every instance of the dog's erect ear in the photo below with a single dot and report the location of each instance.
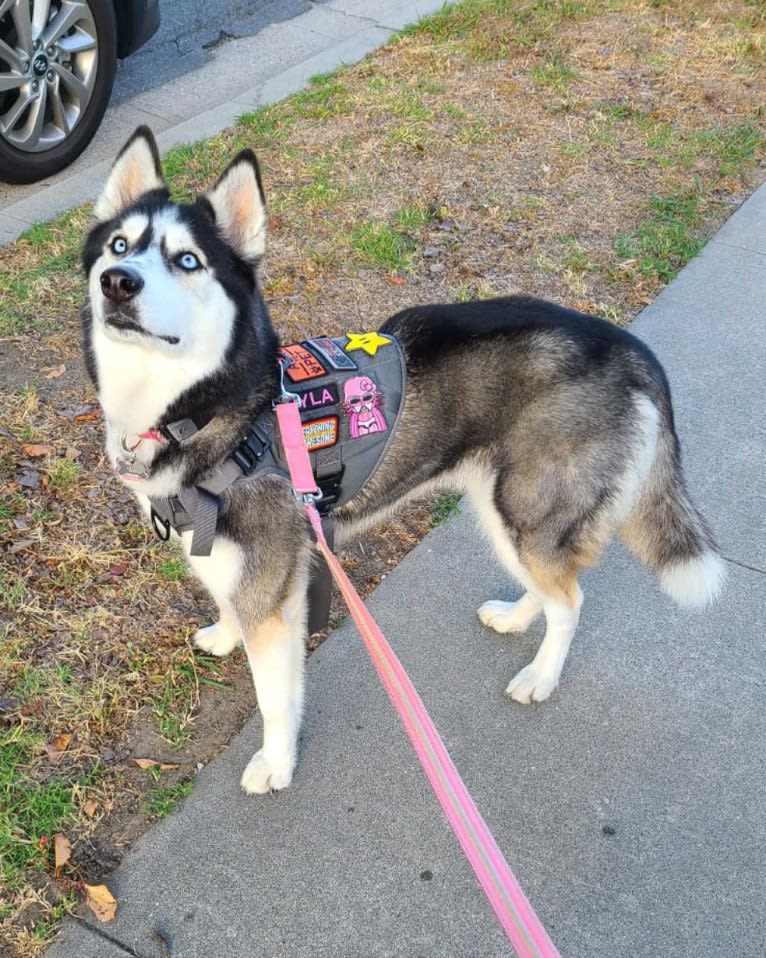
(136, 170)
(240, 207)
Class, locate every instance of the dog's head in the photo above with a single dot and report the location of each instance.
(170, 277)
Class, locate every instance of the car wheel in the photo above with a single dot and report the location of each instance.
(57, 63)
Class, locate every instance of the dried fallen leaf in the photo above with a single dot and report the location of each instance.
(59, 745)
(146, 762)
(150, 763)
(30, 480)
(396, 280)
(91, 416)
(36, 449)
(62, 852)
(61, 741)
(90, 807)
(54, 372)
(100, 901)
(118, 568)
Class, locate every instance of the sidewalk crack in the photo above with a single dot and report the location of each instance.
(114, 941)
(744, 565)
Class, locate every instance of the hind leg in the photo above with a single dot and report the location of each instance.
(502, 616)
(536, 681)
(551, 587)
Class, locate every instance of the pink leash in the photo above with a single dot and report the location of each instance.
(515, 914)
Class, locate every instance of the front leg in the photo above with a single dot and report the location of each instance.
(222, 637)
(275, 650)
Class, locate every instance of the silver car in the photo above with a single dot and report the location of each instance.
(57, 66)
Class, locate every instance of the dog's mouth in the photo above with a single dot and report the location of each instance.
(129, 324)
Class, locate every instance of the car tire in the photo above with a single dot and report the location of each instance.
(52, 113)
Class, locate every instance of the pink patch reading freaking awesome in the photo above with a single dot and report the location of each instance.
(361, 402)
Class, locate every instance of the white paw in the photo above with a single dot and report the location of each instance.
(216, 640)
(531, 685)
(505, 616)
(263, 775)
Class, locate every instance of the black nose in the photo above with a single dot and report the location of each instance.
(120, 284)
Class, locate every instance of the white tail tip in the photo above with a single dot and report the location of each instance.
(695, 582)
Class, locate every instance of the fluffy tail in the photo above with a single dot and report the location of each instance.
(667, 534)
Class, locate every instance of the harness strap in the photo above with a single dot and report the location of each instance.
(198, 507)
(205, 522)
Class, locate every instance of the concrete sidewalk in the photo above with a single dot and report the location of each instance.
(630, 805)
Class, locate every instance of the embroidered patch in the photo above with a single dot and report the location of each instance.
(361, 403)
(321, 433)
(317, 397)
(330, 352)
(301, 364)
(369, 342)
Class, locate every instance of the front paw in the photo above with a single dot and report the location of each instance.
(531, 684)
(266, 775)
(216, 640)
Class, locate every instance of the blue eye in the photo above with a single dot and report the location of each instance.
(119, 245)
(188, 261)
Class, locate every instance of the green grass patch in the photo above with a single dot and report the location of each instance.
(176, 704)
(172, 570)
(31, 812)
(164, 799)
(326, 95)
(444, 507)
(45, 266)
(13, 590)
(667, 240)
(267, 128)
(63, 473)
(392, 244)
(321, 186)
(554, 73)
(575, 150)
(380, 245)
(576, 260)
(733, 146)
(488, 29)
(11, 505)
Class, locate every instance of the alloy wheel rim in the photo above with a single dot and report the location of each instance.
(48, 66)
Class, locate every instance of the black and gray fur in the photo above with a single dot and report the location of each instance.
(557, 426)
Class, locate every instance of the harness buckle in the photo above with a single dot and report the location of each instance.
(250, 451)
(179, 430)
(308, 498)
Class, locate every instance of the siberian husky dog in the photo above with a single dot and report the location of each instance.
(557, 426)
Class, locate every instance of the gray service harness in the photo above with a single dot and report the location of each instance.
(350, 390)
